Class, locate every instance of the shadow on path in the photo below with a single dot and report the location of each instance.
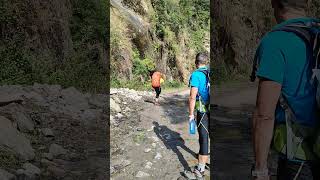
(173, 140)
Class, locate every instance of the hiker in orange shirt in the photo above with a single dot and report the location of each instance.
(156, 80)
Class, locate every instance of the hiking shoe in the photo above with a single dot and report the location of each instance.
(194, 175)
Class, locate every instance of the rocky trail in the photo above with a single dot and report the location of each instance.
(152, 142)
(232, 147)
(47, 132)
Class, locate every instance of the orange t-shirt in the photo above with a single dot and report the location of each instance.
(156, 79)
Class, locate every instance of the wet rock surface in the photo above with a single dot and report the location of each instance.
(47, 132)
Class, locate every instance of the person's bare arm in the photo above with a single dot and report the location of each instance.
(192, 100)
(263, 120)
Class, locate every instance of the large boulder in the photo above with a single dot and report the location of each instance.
(11, 139)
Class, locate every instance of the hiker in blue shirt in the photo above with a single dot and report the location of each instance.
(199, 102)
(284, 68)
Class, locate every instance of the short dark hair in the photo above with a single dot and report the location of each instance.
(296, 4)
(201, 58)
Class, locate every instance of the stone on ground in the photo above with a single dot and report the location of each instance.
(57, 150)
(47, 132)
(31, 170)
(13, 140)
(48, 156)
(148, 165)
(114, 106)
(142, 174)
(25, 124)
(147, 150)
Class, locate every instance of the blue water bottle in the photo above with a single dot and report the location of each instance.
(192, 127)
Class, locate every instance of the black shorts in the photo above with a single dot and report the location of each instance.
(203, 130)
(158, 91)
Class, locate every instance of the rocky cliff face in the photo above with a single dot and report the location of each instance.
(135, 28)
(238, 30)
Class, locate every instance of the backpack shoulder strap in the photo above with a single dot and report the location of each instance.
(310, 33)
(302, 30)
(205, 72)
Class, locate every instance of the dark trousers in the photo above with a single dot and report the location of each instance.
(158, 91)
(203, 130)
(287, 170)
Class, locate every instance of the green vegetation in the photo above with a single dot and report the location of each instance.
(24, 63)
(178, 30)
(173, 84)
(188, 18)
(141, 67)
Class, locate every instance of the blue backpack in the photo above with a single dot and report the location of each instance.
(296, 135)
(206, 72)
(310, 34)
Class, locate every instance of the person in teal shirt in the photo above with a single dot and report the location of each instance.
(283, 58)
(200, 94)
(284, 68)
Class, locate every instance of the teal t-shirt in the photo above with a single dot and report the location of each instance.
(283, 57)
(199, 80)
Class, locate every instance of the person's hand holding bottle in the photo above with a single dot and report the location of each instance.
(192, 124)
